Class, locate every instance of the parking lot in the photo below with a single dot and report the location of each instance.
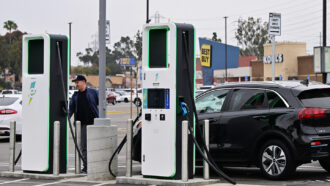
(308, 174)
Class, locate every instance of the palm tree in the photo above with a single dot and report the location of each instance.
(10, 25)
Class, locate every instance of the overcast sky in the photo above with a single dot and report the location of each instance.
(301, 19)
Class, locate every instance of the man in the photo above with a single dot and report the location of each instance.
(83, 105)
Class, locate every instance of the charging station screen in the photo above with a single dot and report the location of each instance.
(36, 56)
(156, 98)
(157, 48)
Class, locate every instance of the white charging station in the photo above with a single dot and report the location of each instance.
(42, 101)
(164, 82)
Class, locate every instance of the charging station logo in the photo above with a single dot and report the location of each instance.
(33, 91)
(156, 77)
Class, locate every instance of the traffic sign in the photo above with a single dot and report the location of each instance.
(274, 25)
(107, 32)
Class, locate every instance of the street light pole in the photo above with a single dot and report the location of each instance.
(102, 106)
(148, 20)
(324, 77)
(226, 47)
(70, 47)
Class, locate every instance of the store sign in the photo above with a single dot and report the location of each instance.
(206, 55)
(268, 59)
(317, 59)
(126, 61)
(274, 27)
(107, 32)
(326, 59)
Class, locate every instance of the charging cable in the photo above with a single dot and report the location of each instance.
(209, 158)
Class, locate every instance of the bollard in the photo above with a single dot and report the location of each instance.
(129, 148)
(78, 138)
(12, 146)
(184, 165)
(56, 149)
(207, 142)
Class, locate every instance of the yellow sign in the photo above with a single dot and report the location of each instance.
(206, 55)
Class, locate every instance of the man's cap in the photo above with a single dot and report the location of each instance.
(79, 78)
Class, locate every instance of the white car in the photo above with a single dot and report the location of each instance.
(9, 92)
(10, 110)
(71, 92)
(124, 97)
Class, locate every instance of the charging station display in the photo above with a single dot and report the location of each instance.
(36, 56)
(156, 98)
(157, 48)
(165, 83)
(42, 103)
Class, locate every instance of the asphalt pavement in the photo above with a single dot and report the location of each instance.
(308, 174)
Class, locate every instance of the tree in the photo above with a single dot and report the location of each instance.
(215, 37)
(10, 25)
(11, 53)
(138, 45)
(251, 35)
(125, 47)
(90, 57)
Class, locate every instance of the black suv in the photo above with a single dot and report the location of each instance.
(276, 126)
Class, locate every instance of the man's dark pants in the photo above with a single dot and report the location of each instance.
(84, 144)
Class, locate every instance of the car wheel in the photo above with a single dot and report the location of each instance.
(325, 164)
(137, 102)
(126, 100)
(275, 160)
(114, 102)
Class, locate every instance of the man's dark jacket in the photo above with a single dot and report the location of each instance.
(92, 98)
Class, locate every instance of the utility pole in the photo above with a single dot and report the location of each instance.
(226, 48)
(70, 47)
(148, 20)
(102, 105)
(273, 58)
(324, 77)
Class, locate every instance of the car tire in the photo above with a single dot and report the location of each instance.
(325, 164)
(275, 160)
(126, 100)
(114, 102)
(137, 102)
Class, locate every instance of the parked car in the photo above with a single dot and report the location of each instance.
(199, 91)
(111, 98)
(124, 97)
(9, 92)
(71, 92)
(10, 110)
(276, 126)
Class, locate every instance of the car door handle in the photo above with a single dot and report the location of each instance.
(259, 117)
(213, 120)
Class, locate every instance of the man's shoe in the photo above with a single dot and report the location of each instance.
(83, 171)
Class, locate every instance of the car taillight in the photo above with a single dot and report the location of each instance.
(7, 111)
(308, 113)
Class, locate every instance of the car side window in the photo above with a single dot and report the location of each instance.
(245, 99)
(274, 101)
(211, 102)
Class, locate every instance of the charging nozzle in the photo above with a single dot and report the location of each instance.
(184, 108)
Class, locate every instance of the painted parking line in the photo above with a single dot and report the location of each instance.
(14, 181)
(52, 183)
(119, 111)
(101, 184)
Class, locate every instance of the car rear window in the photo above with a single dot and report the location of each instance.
(315, 98)
(7, 101)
